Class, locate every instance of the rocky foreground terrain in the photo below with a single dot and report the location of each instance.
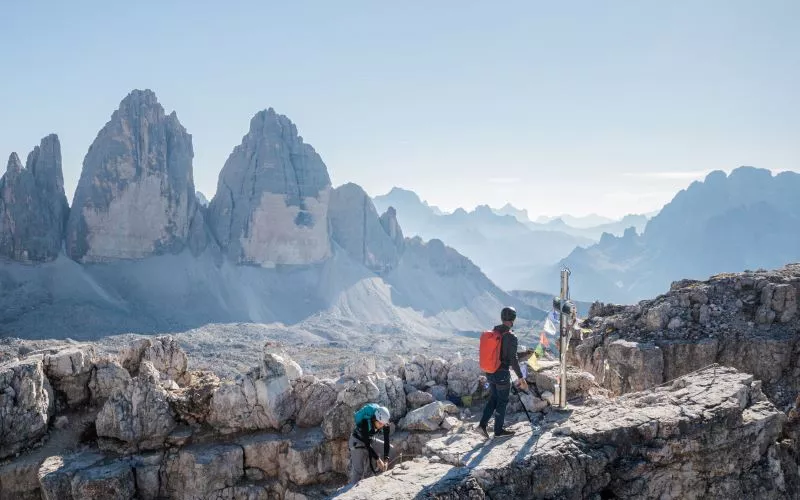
(678, 418)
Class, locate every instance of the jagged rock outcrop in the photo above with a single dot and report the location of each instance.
(463, 376)
(108, 377)
(163, 352)
(262, 399)
(375, 242)
(644, 445)
(24, 404)
(748, 321)
(271, 204)
(69, 371)
(314, 398)
(192, 403)
(138, 417)
(136, 195)
(712, 432)
(392, 227)
(33, 206)
(424, 372)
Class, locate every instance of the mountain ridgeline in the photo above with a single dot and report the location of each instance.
(141, 250)
(746, 220)
(507, 249)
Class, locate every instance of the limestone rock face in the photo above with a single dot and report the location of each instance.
(199, 470)
(33, 206)
(463, 376)
(138, 417)
(418, 399)
(165, 354)
(392, 227)
(69, 371)
(114, 481)
(262, 399)
(719, 407)
(57, 472)
(271, 205)
(314, 398)
(310, 458)
(136, 195)
(748, 321)
(422, 370)
(356, 227)
(108, 376)
(24, 403)
(192, 403)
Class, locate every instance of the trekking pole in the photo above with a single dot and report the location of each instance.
(516, 391)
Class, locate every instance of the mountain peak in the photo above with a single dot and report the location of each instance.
(33, 206)
(14, 165)
(272, 197)
(139, 163)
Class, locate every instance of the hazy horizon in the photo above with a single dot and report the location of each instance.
(608, 109)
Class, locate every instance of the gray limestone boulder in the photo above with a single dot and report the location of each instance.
(108, 376)
(24, 403)
(418, 399)
(57, 472)
(314, 398)
(135, 197)
(165, 354)
(271, 204)
(262, 399)
(138, 417)
(310, 458)
(69, 371)
(114, 481)
(33, 206)
(197, 471)
(427, 418)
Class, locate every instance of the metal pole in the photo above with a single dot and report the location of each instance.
(562, 396)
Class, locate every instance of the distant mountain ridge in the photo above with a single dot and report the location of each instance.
(748, 219)
(502, 246)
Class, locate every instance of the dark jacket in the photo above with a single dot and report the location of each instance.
(364, 434)
(508, 350)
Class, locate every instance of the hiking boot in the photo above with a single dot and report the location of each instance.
(504, 433)
(483, 431)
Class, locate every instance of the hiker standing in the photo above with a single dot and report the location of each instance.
(498, 353)
(370, 419)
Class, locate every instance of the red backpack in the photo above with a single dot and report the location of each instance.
(489, 351)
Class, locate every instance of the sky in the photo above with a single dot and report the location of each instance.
(557, 107)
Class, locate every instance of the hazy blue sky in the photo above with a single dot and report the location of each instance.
(593, 106)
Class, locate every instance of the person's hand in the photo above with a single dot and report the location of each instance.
(383, 465)
(523, 384)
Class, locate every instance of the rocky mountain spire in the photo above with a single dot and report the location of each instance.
(272, 196)
(136, 195)
(392, 227)
(356, 227)
(33, 206)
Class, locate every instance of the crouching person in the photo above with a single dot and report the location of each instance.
(368, 454)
